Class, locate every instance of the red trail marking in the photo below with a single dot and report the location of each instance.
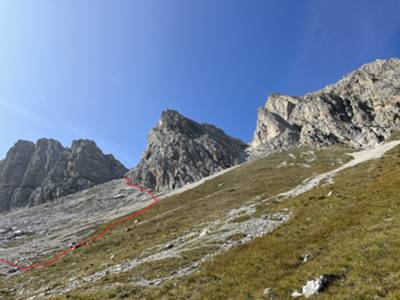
(52, 260)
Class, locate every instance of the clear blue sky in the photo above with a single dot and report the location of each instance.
(104, 70)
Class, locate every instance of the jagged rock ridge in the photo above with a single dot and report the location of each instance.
(181, 151)
(35, 173)
(360, 110)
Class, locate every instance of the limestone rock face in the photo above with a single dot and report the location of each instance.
(360, 110)
(181, 151)
(35, 173)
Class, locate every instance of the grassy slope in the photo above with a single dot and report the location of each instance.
(354, 233)
(346, 230)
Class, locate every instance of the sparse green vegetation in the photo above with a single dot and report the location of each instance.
(354, 234)
(348, 231)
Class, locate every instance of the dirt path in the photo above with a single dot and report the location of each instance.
(358, 158)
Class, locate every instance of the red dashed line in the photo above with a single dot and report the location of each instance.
(58, 256)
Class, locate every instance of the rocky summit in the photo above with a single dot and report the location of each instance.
(35, 173)
(181, 151)
(360, 110)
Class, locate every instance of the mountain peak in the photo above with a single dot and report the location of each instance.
(170, 118)
(170, 113)
(22, 144)
(181, 151)
(360, 110)
(33, 173)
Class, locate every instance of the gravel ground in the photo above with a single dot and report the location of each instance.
(30, 234)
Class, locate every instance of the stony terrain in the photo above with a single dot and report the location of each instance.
(182, 151)
(175, 249)
(36, 173)
(185, 233)
(360, 110)
(181, 233)
(28, 235)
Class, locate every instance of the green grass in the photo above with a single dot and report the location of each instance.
(354, 234)
(231, 274)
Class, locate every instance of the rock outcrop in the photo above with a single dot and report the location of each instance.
(182, 151)
(360, 110)
(35, 173)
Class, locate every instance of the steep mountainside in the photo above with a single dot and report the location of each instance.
(258, 231)
(360, 110)
(34, 173)
(181, 151)
(300, 222)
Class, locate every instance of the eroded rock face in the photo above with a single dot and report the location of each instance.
(360, 110)
(181, 151)
(35, 173)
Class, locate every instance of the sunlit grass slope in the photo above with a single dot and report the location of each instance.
(343, 232)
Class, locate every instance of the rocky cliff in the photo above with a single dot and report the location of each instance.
(181, 151)
(360, 110)
(35, 173)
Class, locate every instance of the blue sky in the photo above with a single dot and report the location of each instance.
(105, 70)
